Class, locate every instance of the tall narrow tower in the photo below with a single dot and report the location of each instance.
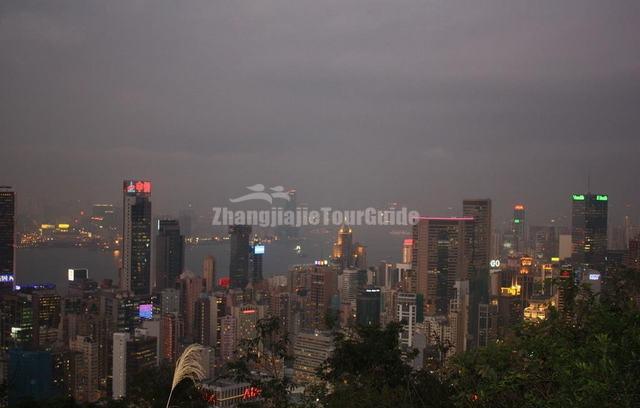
(136, 243)
(7, 237)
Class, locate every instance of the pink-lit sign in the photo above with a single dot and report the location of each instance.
(137, 186)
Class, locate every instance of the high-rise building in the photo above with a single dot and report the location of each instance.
(228, 341)
(343, 247)
(89, 378)
(205, 320)
(171, 334)
(480, 211)
(589, 229)
(257, 255)
(209, 273)
(190, 290)
(407, 315)
(368, 304)
(519, 229)
(359, 256)
(136, 243)
(407, 248)
(169, 253)
(239, 236)
(7, 237)
(311, 349)
(132, 355)
(443, 249)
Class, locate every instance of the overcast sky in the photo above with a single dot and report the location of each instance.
(353, 102)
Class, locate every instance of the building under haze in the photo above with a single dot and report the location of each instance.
(7, 237)
(239, 236)
(443, 248)
(589, 229)
(519, 229)
(169, 253)
(136, 243)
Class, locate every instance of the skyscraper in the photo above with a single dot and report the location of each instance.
(239, 262)
(368, 304)
(169, 254)
(480, 210)
(257, 255)
(209, 273)
(589, 229)
(136, 245)
(443, 249)
(7, 237)
(519, 229)
(342, 248)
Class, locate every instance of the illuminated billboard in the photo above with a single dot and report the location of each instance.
(578, 197)
(258, 249)
(75, 274)
(602, 197)
(145, 311)
(134, 187)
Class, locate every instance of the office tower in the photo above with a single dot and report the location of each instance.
(480, 211)
(459, 317)
(228, 340)
(31, 376)
(132, 355)
(169, 254)
(46, 317)
(544, 242)
(136, 243)
(209, 273)
(321, 290)
(442, 254)
(407, 315)
(359, 256)
(407, 249)
(633, 259)
(205, 320)
(257, 255)
(190, 290)
(7, 237)
(246, 317)
(311, 349)
(171, 334)
(67, 372)
(348, 286)
(239, 262)
(77, 274)
(519, 229)
(589, 230)
(89, 378)
(343, 247)
(368, 304)
(170, 301)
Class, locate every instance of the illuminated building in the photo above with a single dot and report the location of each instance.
(321, 290)
(209, 273)
(368, 304)
(171, 334)
(348, 286)
(205, 321)
(544, 242)
(228, 340)
(225, 393)
(77, 274)
(190, 289)
(633, 258)
(89, 374)
(589, 230)
(46, 317)
(7, 237)
(538, 309)
(407, 249)
(407, 314)
(170, 301)
(239, 261)
(342, 248)
(67, 372)
(480, 211)
(310, 350)
(131, 357)
(442, 254)
(169, 254)
(136, 243)
(359, 256)
(257, 255)
(519, 229)
(246, 316)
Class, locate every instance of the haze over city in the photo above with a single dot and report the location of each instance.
(353, 103)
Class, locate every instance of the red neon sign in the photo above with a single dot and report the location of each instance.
(249, 311)
(137, 186)
(224, 282)
(251, 392)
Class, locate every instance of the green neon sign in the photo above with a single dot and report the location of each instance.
(602, 197)
(578, 197)
(517, 221)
